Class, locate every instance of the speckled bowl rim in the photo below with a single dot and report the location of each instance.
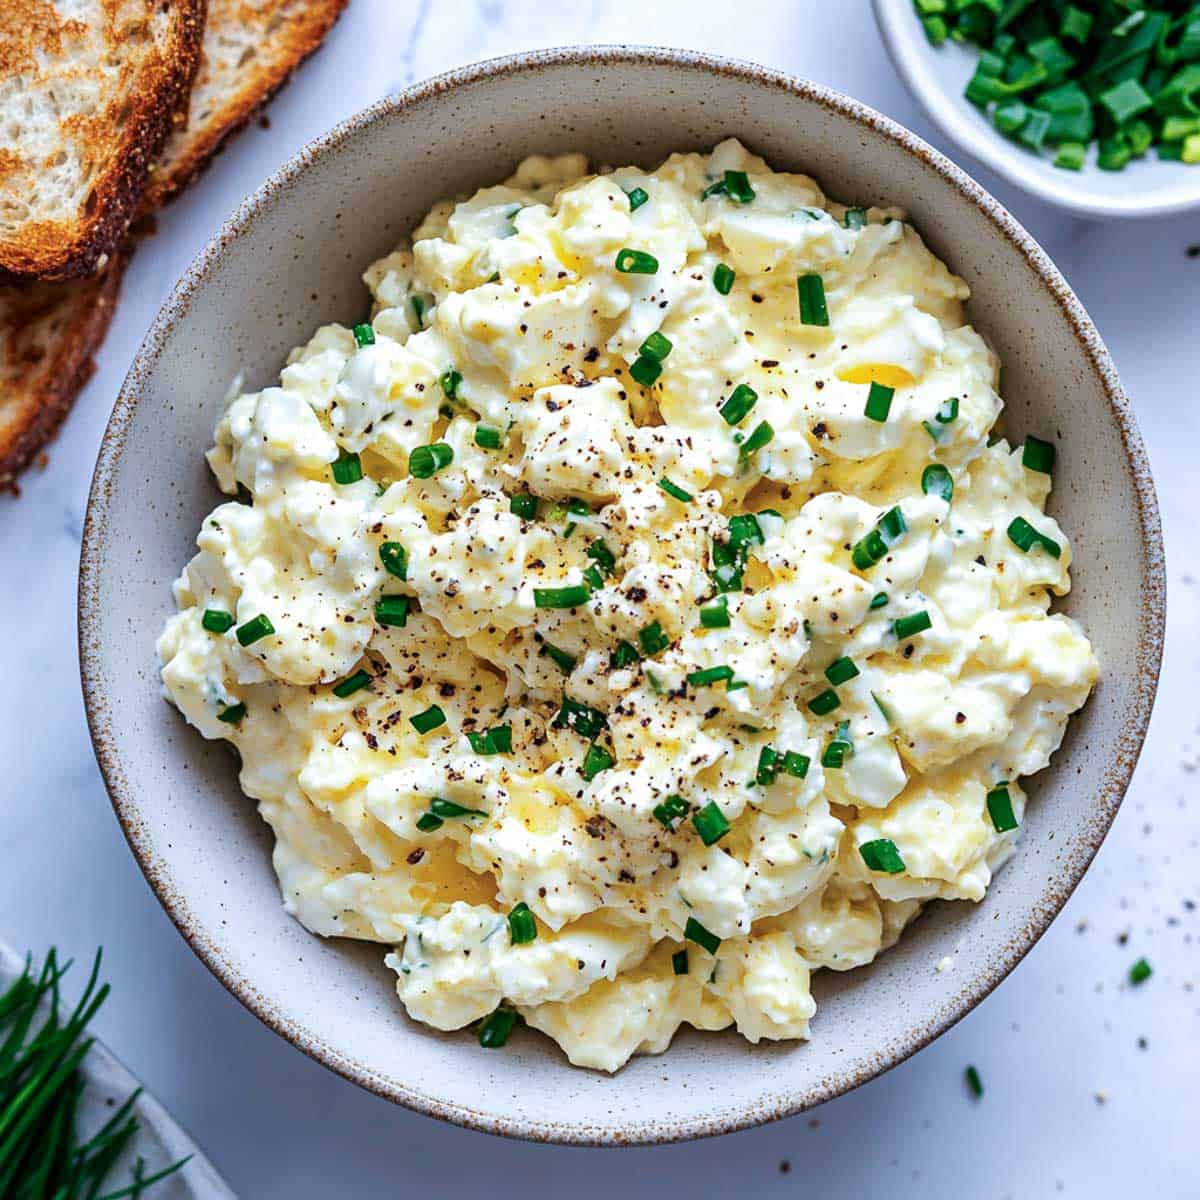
(634, 1130)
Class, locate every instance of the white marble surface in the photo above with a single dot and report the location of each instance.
(1074, 1104)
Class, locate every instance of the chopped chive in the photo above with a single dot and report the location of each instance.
(824, 703)
(840, 749)
(570, 596)
(1076, 24)
(656, 346)
(346, 468)
(625, 655)
(871, 549)
(713, 189)
(877, 601)
(911, 625)
(841, 670)
(761, 435)
(636, 262)
(522, 928)
(487, 437)
(796, 764)
(768, 766)
(351, 684)
(232, 714)
(495, 1028)
(675, 491)
(722, 278)
(1140, 971)
(1000, 809)
(602, 556)
(447, 809)
(560, 658)
(425, 722)
(710, 823)
(392, 610)
(596, 759)
(586, 721)
(695, 932)
(737, 187)
(637, 197)
(1070, 156)
(892, 525)
(395, 559)
(427, 822)
(679, 962)
(497, 740)
(727, 578)
(716, 614)
(652, 639)
(855, 218)
(425, 461)
(937, 481)
(1038, 455)
(1025, 537)
(879, 402)
(882, 855)
(216, 621)
(254, 629)
(709, 675)
(646, 371)
(1126, 100)
(884, 711)
(973, 1082)
(364, 335)
(813, 309)
(834, 756)
(450, 381)
(944, 416)
(671, 810)
(936, 30)
(744, 530)
(741, 400)
(418, 306)
(524, 506)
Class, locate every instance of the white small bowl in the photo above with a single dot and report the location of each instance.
(937, 75)
(290, 258)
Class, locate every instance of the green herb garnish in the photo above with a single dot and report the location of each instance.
(42, 1049)
(882, 855)
(1057, 77)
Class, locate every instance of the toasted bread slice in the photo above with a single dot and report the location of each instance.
(49, 332)
(48, 335)
(89, 91)
(250, 49)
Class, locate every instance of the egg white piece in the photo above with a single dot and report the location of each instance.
(621, 626)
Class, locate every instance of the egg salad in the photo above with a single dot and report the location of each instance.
(637, 614)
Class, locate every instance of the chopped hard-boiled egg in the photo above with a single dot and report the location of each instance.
(635, 616)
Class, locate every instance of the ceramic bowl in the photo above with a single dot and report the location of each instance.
(289, 259)
(937, 75)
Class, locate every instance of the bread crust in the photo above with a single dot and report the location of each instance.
(49, 377)
(41, 387)
(57, 250)
(189, 152)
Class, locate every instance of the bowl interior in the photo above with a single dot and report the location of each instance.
(937, 76)
(290, 259)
